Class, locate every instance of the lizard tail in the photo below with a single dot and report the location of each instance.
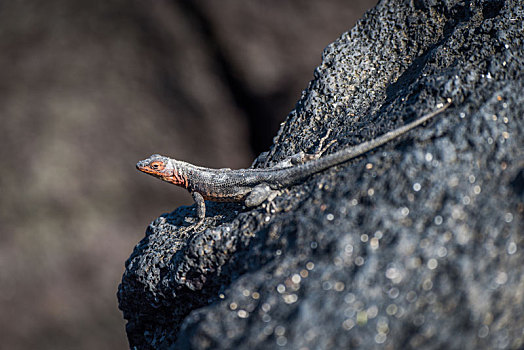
(299, 172)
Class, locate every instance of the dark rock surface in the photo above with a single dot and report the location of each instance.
(417, 245)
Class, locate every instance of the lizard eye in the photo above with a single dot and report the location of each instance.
(157, 165)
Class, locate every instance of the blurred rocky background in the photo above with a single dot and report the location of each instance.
(86, 90)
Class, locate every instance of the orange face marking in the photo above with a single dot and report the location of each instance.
(160, 168)
(155, 168)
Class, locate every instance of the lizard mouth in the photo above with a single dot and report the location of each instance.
(141, 165)
(147, 170)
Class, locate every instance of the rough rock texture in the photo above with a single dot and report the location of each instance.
(417, 245)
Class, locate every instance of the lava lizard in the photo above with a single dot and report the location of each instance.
(254, 186)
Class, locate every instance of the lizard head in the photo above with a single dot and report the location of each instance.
(156, 165)
(163, 168)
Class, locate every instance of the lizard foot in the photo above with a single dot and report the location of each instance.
(321, 148)
(271, 207)
(192, 227)
(302, 157)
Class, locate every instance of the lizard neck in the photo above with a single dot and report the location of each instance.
(178, 176)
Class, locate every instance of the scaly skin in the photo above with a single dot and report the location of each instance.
(254, 186)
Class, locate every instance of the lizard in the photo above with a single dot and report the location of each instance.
(254, 186)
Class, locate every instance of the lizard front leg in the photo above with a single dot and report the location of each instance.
(201, 209)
